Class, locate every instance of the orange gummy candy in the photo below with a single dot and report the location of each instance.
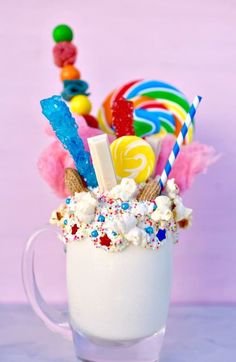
(69, 72)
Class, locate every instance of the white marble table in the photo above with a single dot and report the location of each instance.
(194, 334)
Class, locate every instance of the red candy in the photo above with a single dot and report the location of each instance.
(64, 53)
(105, 240)
(91, 120)
(122, 117)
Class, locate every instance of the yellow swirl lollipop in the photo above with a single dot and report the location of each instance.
(133, 157)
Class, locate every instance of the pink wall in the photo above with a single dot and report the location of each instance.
(187, 43)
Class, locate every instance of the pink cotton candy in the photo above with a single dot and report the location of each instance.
(193, 159)
(51, 164)
(54, 159)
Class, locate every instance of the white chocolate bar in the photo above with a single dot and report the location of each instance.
(102, 162)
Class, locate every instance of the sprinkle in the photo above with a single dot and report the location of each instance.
(68, 201)
(161, 235)
(101, 218)
(114, 233)
(94, 233)
(125, 205)
(65, 222)
(105, 240)
(149, 230)
(74, 229)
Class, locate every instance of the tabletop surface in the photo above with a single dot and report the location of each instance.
(194, 333)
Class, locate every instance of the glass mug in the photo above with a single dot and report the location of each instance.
(118, 302)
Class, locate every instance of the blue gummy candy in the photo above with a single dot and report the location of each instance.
(66, 130)
(74, 87)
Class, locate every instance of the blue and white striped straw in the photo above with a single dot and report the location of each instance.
(175, 151)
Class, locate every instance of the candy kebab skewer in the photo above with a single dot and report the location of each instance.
(151, 191)
(75, 90)
(66, 130)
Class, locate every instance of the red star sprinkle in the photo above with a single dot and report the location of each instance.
(105, 240)
(74, 229)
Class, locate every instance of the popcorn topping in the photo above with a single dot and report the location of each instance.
(116, 219)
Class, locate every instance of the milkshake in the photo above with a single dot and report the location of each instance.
(118, 226)
(119, 259)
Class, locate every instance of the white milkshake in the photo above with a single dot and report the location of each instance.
(119, 260)
(119, 296)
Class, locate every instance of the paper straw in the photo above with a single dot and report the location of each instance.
(179, 141)
(102, 162)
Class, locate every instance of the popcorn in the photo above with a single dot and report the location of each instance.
(182, 214)
(115, 222)
(124, 223)
(163, 210)
(85, 206)
(172, 189)
(125, 191)
(136, 236)
(57, 215)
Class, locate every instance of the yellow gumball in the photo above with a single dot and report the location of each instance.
(80, 104)
(133, 157)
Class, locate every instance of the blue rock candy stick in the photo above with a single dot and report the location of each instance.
(66, 130)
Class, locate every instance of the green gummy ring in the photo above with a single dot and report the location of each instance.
(61, 33)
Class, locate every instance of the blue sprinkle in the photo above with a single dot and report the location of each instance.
(94, 233)
(161, 235)
(65, 222)
(67, 201)
(149, 230)
(154, 207)
(125, 205)
(101, 218)
(114, 233)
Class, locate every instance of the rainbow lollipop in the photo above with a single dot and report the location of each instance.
(159, 108)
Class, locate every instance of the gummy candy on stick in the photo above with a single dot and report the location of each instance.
(122, 117)
(66, 130)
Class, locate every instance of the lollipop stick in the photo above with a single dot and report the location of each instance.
(179, 141)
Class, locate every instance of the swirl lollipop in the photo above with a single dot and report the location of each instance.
(159, 108)
(132, 157)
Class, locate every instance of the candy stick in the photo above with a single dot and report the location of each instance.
(66, 129)
(175, 151)
(102, 161)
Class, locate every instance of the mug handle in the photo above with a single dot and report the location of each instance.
(55, 320)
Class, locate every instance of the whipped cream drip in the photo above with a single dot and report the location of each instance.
(116, 219)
